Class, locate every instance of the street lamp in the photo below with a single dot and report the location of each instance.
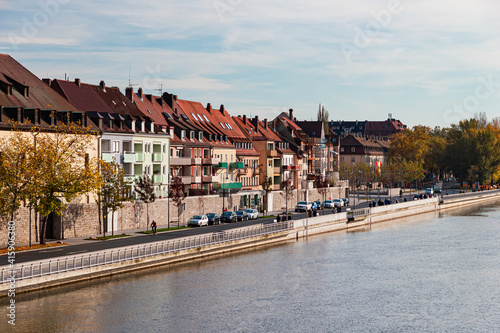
(168, 199)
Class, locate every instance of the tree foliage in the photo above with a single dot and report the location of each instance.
(176, 193)
(145, 191)
(113, 189)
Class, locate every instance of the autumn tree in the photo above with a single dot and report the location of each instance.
(113, 191)
(18, 169)
(66, 169)
(145, 191)
(176, 192)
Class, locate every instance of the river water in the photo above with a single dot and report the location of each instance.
(432, 273)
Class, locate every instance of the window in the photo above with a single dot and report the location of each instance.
(200, 117)
(147, 147)
(171, 152)
(200, 136)
(353, 149)
(353, 159)
(206, 118)
(341, 149)
(222, 125)
(194, 116)
(183, 135)
(191, 135)
(116, 146)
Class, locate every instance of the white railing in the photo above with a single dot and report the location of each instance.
(76, 262)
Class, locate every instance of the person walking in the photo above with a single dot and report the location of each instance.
(153, 227)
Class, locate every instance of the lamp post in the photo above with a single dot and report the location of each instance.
(168, 199)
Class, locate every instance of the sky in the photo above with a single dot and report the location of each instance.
(424, 62)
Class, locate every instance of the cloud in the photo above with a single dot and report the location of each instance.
(19, 40)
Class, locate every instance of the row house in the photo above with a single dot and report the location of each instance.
(27, 100)
(129, 136)
(360, 149)
(386, 128)
(264, 141)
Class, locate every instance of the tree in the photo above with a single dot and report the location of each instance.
(176, 192)
(113, 191)
(18, 169)
(67, 171)
(324, 117)
(287, 188)
(267, 185)
(145, 191)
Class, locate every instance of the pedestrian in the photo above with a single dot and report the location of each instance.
(278, 219)
(153, 227)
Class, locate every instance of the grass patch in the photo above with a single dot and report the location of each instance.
(149, 232)
(32, 247)
(107, 237)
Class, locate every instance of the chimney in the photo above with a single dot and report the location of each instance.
(209, 107)
(175, 98)
(149, 97)
(102, 85)
(139, 92)
(245, 119)
(47, 81)
(290, 114)
(256, 123)
(265, 124)
(77, 81)
(129, 92)
(222, 108)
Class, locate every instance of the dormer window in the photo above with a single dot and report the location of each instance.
(200, 136)
(183, 135)
(191, 135)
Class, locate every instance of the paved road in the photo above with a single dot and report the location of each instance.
(60, 251)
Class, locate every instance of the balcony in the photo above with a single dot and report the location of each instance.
(294, 167)
(139, 157)
(195, 160)
(218, 186)
(209, 179)
(129, 157)
(108, 157)
(221, 165)
(157, 179)
(286, 167)
(210, 161)
(236, 165)
(195, 179)
(180, 161)
(272, 153)
(186, 180)
(157, 157)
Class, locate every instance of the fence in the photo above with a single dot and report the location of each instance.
(71, 263)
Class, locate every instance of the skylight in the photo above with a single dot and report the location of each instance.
(200, 117)
(194, 116)
(222, 125)
(206, 118)
(184, 117)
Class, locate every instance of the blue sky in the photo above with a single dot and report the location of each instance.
(425, 62)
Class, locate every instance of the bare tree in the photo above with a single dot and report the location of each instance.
(176, 192)
(146, 193)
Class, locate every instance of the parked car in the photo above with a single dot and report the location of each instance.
(346, 201)
(338, 202)
(328, 204)
(242, 215)
(229, 217)
(318, 204)
(198, 221)
(213, 218)
(303, 206)
(253, 214)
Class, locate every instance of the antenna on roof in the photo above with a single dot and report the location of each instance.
(161, 86)
(129, 82)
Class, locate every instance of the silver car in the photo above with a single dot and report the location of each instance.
(198, 221)
(252, 213)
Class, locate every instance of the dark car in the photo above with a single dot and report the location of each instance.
(242, 215)
(229, 217)
(318, 204)
(213, 218)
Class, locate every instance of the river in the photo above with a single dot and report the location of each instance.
(431, 273)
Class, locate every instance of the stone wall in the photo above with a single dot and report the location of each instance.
(81, 220)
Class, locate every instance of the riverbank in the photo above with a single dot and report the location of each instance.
(48, 273)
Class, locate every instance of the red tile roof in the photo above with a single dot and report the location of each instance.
(39, 94)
